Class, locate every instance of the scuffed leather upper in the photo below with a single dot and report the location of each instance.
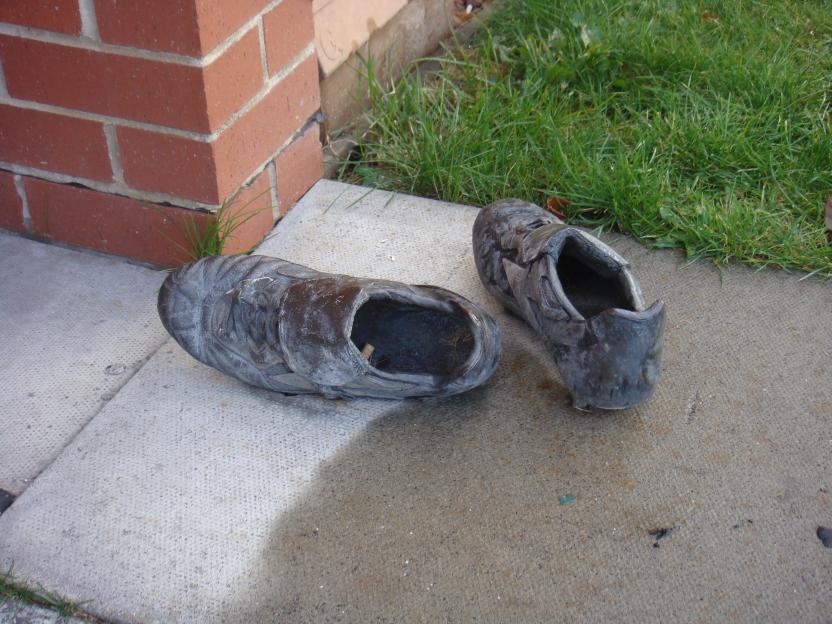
(285, 327)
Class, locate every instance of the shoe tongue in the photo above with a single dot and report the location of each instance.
(315, 323)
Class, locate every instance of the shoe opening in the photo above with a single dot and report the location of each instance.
(398, 337)
(589, 283)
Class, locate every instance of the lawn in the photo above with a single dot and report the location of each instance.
(698, 125)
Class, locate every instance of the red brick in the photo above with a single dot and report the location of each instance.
(166, 25)
(233, 79)
(210, 173)
(109, 84)
(218, 19)
(54, 142)
(168, 94)
(168, 164)
(251, 207)
(191, 27)
(57, 15)
(11, 207)
(299, 166)
(248, 143)
(288, 29)
(110, 223)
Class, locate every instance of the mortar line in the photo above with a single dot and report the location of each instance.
(46, 36)
(273, 156)
(4, 91)
(24, 203)
(265, 90)
(114, 153)
(173, 201)
(103, 119)
(272, 167)
(238, 34)
(89, 21)
(108, 187)
(264, 62)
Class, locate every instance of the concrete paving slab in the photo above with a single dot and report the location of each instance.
(75, 327)
(17, 612)
(371, 233)
(192, 498)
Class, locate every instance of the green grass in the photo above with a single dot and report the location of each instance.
(697, 125)
(210, 238)
(9, 589)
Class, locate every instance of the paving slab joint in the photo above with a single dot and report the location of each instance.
(131, 373)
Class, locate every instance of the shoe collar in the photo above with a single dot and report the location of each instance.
(315, 323)
(551, 238)
(547, 242)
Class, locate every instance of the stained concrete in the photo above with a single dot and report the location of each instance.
(192, 498)
(75, 327)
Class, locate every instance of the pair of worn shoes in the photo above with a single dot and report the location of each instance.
(288, 328)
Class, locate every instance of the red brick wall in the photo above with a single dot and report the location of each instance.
(121, 121)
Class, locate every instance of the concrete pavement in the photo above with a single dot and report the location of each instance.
(75, 327)
(190, 497)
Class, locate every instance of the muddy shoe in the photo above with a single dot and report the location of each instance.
(288, 328)
(577, 293)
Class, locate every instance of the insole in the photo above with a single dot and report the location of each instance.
(411, 339)
(588, 290)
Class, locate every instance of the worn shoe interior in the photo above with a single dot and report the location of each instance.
(406, 338)
(589, 283)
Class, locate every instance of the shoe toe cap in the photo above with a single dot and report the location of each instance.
(191, 289)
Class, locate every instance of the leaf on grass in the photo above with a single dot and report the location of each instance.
(503, 53)
(828, 219)
(556, 205)
(667, 214)
(665, 242)
(590, 35)
(556, 37)
(709, 16)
